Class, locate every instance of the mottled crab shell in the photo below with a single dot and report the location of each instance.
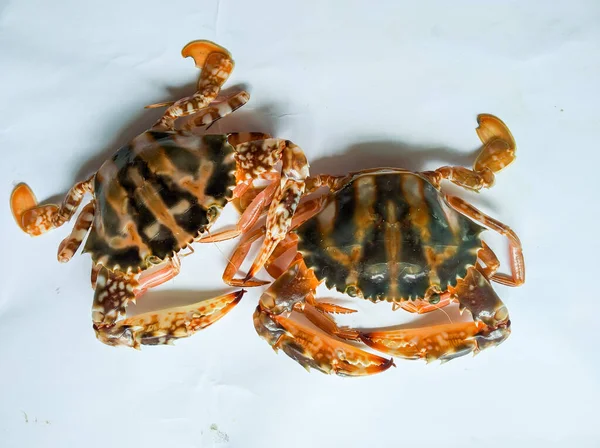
(389, 235)
(156, 195)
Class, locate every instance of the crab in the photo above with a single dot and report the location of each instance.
(162, 192)
(389, 235)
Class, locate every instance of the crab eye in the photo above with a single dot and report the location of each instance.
(353, 291)
(434, 298)
(153, 259)
(212, 212)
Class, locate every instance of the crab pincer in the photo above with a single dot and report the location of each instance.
(164, 326)
(302, 343)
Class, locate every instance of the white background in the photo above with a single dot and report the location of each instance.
(356, 84)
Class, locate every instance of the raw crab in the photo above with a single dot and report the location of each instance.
(390, 235)
(162, 192)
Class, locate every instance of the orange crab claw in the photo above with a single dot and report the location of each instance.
(200, 49)
(313, 350)
(165, 326)
(430, 343)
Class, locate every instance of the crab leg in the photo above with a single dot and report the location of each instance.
(254, 210)
(237, 138)
(301, 343)
(216, 65)
(250, 215)
(217, 110)
(114, 290)
(38, 219)
(498, 152)
(94, 274)
(313, 183)
(422, 306)
(238, 257)
(489, 258)
(245, 191)
(491, 327)
(317, 314)
(517, 263)
(258, 157)
(242, 250)
(304, 212)
(70, 244)
(289, 242)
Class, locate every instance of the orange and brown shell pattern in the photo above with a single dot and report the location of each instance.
(157, 195)
(389, 236)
